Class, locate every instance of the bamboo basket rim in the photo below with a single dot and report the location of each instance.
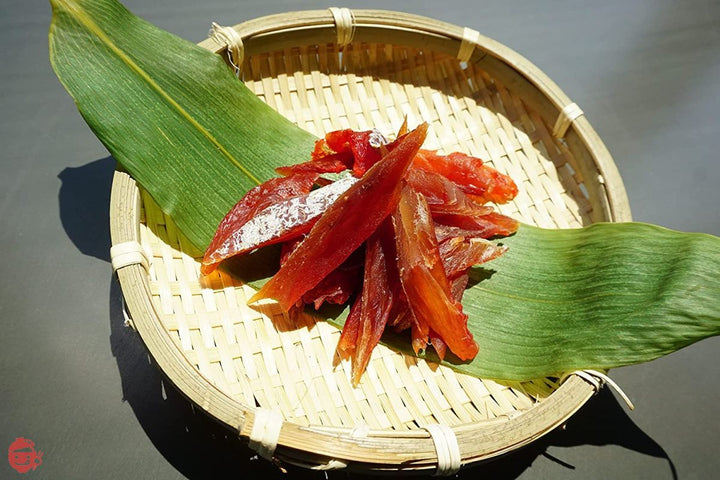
(376, 450)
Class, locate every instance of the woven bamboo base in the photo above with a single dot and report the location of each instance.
(249, 366)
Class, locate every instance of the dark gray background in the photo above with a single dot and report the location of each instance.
(647, 75)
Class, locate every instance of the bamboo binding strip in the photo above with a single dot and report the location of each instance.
(274, 379)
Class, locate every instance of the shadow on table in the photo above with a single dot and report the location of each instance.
(198, 447)
(85, 204)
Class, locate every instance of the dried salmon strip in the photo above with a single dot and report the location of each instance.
(396, 239)
(424, 280)
(377, 297)
(256, 200)
(471, 174)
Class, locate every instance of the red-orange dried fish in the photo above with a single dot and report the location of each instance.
(443, 196)
(486, 226)
(410, 227)
(365, 147)
(257, 199)
(348, 338)
(470, 174)
(377, 296)
(339, 285)
(424, 279)
(344, 226)
(277, 222)
(459, 254)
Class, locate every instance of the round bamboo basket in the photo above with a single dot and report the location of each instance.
(274, 379)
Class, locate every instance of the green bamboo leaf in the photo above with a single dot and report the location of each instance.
(170, 112)
(194, 137)
(603, 296)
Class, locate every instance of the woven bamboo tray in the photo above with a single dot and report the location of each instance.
(273, 379)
